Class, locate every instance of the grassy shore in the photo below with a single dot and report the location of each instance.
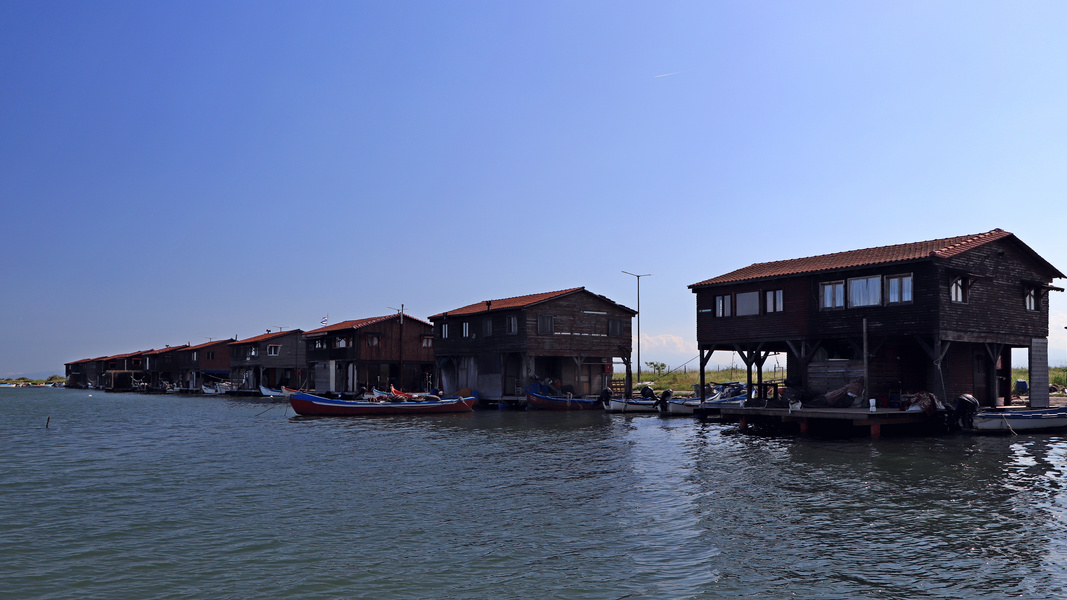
(684, 381)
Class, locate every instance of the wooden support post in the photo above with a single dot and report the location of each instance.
(743, 425)
(804, 426)
(876, 430)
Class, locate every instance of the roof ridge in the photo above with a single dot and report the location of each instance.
(875, 255)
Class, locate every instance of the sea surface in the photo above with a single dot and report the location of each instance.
(142, 497)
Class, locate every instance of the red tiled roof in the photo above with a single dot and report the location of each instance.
(206, 344)
(265, 337)
(357, 324)
(506, 303)
(943, 248)
(87, 360)
(168, 349)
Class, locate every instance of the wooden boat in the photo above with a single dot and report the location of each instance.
(1015, 421)
(266, 391)
(632, 405)
(311, 405)
(209, 390)
(535, 400)
(679, 407)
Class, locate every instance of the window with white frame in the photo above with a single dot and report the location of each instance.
(898, 289)
(747, 303)
(772, 301)
(512, 325)
(373, 339)
(466, 329)
(832, 295)
(722, 306)
(427, 341)
(865, 291)
(273, 350)
(444, 331)
(957, 290)
(1031, 298)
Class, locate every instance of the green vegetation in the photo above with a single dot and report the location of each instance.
(683, 381)
(51, 379)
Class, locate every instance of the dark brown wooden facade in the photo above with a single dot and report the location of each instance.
(939, 316)
(203, 364)
(273, 360)
(570, 337)
(161, 367)
(124, 372)
(85, 373)
(376, 352)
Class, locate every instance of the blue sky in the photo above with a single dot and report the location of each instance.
(178, 171)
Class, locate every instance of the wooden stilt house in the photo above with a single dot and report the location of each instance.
(940, 316)
(569, 337)
(371, 353)
(274, 359)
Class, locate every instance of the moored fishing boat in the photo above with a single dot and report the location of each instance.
(1020, 420)
(311, 405)
(675, 407)
(535, 400)
(631, 405)
(266, 391)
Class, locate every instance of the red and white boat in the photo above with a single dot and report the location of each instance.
(316, 406)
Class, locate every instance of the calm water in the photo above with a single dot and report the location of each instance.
(129, 496)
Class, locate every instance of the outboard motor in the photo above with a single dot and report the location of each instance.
(605, 396)
(664, 398)
(965, 409)
(647, 392)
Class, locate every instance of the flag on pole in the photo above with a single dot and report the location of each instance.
(323, 321)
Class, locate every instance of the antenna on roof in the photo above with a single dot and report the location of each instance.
(401, 311)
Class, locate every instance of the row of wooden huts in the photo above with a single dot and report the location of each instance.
(571, 337)
(941, 316)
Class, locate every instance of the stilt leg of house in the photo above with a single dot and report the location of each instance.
(876, 430)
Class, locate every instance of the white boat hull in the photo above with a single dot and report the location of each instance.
(685, 408)
(1021, 420)
(633, 406)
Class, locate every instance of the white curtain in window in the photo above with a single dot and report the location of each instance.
(865, 291)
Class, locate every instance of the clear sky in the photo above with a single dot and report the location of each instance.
(172, 172)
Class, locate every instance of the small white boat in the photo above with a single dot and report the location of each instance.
(633, 405)
(266, 391)
(682, 406)
(1014, 421)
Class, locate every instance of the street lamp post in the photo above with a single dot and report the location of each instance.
(638, 318)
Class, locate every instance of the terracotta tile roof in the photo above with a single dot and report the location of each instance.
(506, 303)
(168, 349)
(942, 248)
(266, 336)
(357, 324)
(206, 344)
(87, 360)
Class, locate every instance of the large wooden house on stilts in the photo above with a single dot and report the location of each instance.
(940, 316)
(569, 338)
(376, 352)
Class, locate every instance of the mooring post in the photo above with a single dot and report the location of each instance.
(804, 426)
(743, 426)
(876, 430)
